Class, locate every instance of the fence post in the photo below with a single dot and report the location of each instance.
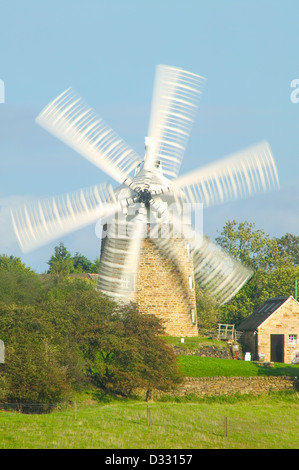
(148, 416)
(225, 426)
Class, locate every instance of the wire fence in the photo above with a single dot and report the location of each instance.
(46, 408)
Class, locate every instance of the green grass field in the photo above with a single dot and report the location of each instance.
(194, 366)
(270, 422)
(253, 422)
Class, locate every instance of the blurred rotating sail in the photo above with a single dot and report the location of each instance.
(175, 101)
(214, 270)
(70, 119)
(217, 272)
(120, 255)
(43, 221)
(238, 176)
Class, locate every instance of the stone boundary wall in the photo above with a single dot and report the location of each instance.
(211, 386)
(205, 351)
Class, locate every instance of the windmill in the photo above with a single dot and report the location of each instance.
(143, 218)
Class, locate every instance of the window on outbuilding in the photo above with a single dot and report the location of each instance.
(292, 339)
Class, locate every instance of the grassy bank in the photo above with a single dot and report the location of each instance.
(195, 366)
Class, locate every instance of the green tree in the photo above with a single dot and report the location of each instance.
(41, 366)
(207, 310)
(18, 283)
(34, 372)
(289, 244)
(84, 265)
(81, 264)
(251, 246)
(121, 349)
(279, 282)
(274, 271)
(61, 263)
(126, 352)
(12, 263)
(70, 334)
(95, 265)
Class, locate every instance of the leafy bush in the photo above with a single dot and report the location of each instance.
(125, 352)
(68, 334)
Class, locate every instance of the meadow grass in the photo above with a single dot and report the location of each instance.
(268, 422)
(101, 422)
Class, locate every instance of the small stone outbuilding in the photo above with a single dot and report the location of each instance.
(271, 333)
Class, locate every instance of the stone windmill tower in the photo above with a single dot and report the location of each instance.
(135, 264)
(150, 251)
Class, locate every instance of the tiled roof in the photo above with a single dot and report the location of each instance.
(261, 314)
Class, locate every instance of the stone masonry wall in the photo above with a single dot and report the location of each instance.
(165, 292)
(213, 386)
(205, 350)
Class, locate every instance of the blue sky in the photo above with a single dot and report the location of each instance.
(108, 51)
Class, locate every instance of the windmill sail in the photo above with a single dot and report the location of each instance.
(155, 185)
(238, 176)
(175, 102)
(70, 119)
(120, 255)
(40, 222)
(215, 271)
